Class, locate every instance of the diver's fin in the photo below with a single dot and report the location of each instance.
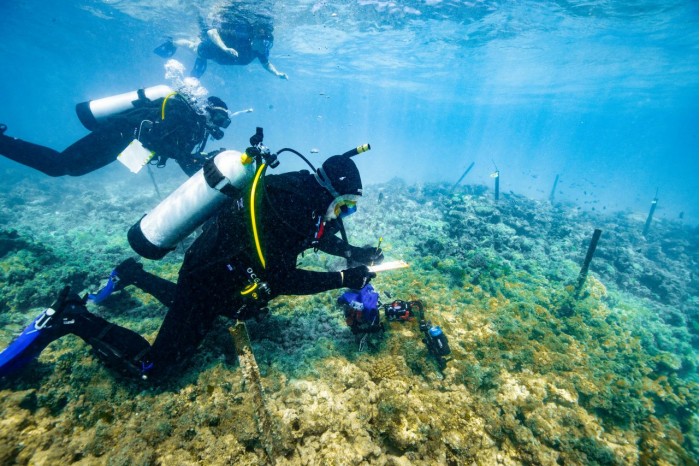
(46, 328)
(53, 323)
(124, 274)
(121, 348)
(200, 66)
(106, 290)
(166, 49)
(23, 349)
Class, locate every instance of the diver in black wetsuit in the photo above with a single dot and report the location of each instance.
(223, 272)
(169, 126)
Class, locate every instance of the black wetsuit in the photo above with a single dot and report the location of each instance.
(218, 265)
(237, 35)
(176, 136)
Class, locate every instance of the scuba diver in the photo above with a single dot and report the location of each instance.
(228, 270)
(152, 124)
(232, 39)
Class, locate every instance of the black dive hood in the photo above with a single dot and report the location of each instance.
(340, 176)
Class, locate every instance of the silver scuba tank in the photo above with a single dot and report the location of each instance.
(159, 231)
(92, 111)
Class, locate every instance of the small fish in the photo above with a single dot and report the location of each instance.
(314, 151)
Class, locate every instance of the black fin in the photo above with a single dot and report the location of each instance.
(200, 66)
(166, 49)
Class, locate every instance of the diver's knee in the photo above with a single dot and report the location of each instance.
(135, 366)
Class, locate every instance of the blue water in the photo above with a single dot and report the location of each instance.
(605, 94)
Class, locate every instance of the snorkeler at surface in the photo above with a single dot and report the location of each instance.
(233, 38)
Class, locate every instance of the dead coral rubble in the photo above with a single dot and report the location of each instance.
(536, 376)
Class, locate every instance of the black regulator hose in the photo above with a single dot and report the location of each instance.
(287, 149)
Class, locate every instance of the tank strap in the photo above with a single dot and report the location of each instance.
(216, 180)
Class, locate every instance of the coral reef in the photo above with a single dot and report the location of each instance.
(535, 376)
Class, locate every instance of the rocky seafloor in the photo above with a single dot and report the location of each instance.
(535, 376)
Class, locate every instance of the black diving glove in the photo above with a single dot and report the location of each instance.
(356, 277)
(366, 255)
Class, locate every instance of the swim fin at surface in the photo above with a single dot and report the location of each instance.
(200, 66)
(166, 49)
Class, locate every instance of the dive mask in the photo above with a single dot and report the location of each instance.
(219, 117)
(342, 206)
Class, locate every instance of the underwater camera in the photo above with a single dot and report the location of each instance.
(400, 310)
(435, 339)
